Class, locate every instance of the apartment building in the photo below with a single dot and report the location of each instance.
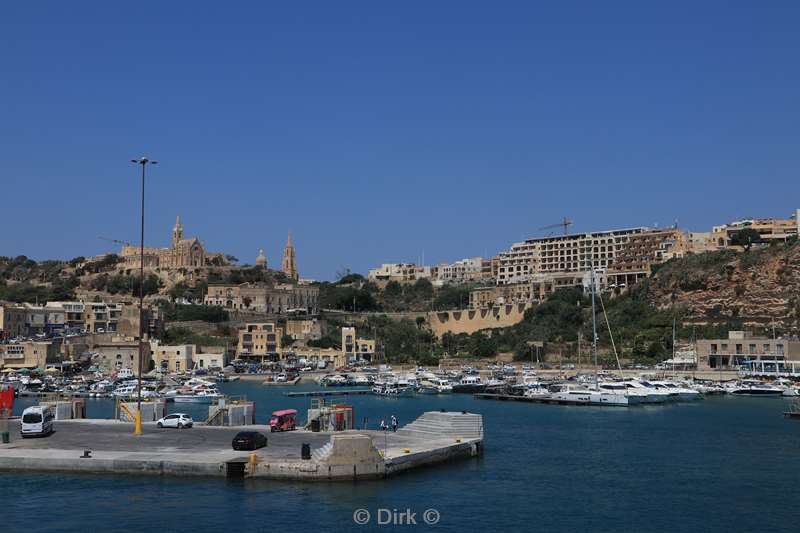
(463, 271)
(770, 229)
(106, 317)
(259, 341)
(356, 349)
(401, 273)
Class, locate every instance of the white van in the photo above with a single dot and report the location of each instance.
(37, 420)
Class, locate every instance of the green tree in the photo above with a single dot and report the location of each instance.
(746, 237)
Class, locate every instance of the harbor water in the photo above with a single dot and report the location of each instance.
(716, 465)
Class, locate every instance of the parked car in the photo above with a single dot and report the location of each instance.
(176, 420)
(249, 440)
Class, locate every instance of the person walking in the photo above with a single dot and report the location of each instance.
(383, 425)
(394, 423)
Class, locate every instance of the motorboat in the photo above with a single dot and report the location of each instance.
(333, 380)
(536, 390)
(200, 396)
(469, 384)
(391, 389)
(435, 386)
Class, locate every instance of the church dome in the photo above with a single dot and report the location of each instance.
(261, 260)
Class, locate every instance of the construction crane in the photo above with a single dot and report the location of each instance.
(566, 223)
(116, 241)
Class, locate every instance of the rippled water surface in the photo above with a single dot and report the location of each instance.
(720, 464)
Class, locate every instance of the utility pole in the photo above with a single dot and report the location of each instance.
(143, 161)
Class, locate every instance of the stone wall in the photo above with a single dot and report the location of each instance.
(472, 320)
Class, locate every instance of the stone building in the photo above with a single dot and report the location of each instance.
(260, 298)
(177, 358)
(12, 320)
(182, 253)
(304, 330)
(28, 354)
(122, 352)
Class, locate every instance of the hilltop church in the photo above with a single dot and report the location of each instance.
(182, 253)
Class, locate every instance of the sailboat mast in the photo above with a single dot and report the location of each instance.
(594, 332)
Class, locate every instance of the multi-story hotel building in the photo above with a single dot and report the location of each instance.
(575, 253)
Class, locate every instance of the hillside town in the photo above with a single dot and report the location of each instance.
(277, 316)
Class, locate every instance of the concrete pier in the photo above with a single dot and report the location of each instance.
(206, 451)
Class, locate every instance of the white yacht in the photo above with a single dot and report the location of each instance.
(675, 391)
(754, 388)
(649, 394)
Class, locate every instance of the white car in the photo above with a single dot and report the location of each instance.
(176, 420)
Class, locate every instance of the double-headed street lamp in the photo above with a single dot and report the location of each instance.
(143, 161)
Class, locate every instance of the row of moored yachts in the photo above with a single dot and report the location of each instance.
(582, 389)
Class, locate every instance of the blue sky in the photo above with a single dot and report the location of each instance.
(380, 131)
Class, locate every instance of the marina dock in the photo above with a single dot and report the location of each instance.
(514, 398)
(110, 447)
(335, 392)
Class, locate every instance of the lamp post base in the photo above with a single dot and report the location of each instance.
(137, 420)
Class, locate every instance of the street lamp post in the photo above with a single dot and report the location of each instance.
(143, 161)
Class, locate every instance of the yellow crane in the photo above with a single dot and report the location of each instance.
(566, 223)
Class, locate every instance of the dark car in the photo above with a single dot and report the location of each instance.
(249, 440)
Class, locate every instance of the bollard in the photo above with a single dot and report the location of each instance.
(253, 459)
(305, 451)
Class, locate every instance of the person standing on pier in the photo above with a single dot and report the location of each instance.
(383, 425)
(394, 423)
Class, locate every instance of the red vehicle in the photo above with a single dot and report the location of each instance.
(283, 420)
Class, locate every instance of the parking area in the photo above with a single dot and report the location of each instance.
(113, 436)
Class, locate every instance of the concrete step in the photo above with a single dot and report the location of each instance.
(437, 424)
(322, 453)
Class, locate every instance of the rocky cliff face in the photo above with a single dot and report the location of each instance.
(759, 286)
